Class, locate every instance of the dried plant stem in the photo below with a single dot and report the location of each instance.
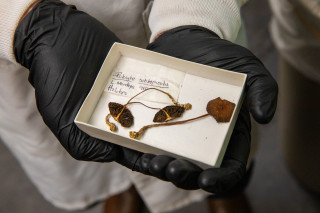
(112, 126)
(117, 118)
(172, 99)
(136, 135)
(144, 105)
(187, 106)
(165, 112)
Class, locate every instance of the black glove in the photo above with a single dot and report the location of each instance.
(64, 49)
(197, 44)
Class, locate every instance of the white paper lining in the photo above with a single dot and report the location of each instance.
(131, 76)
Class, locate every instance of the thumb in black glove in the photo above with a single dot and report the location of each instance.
(197, 44)
(64, 49)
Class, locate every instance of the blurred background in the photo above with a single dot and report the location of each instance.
(272, 188)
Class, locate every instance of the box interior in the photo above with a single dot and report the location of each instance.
(202, 141)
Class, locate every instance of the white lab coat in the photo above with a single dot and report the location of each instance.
(295, 29)
(62, 180)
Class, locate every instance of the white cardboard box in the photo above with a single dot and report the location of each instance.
(128, 70)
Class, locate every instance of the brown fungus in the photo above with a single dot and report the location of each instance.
(121, 114)
(221, 110)
(168, 113)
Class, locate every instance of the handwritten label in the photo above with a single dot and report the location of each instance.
(121, 83)
(154, 83)
(131, 76)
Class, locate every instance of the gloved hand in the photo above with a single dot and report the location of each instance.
(197, 44)
(64, 49)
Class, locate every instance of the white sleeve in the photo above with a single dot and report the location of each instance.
(219, 16)
(10, 14)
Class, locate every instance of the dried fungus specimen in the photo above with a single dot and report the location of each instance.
(168, 113)
(136, 135)
(121, 114)
(112, 126)
(218, 108)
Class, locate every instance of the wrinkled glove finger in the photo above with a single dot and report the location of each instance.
(222, 180)
(183, 174)
(83, 147)
(159, 166)
(142, 164)
(262, 95)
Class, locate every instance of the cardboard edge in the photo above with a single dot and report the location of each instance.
(232, 124)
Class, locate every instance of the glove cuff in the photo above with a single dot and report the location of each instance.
(11, 12)
(219, 16)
